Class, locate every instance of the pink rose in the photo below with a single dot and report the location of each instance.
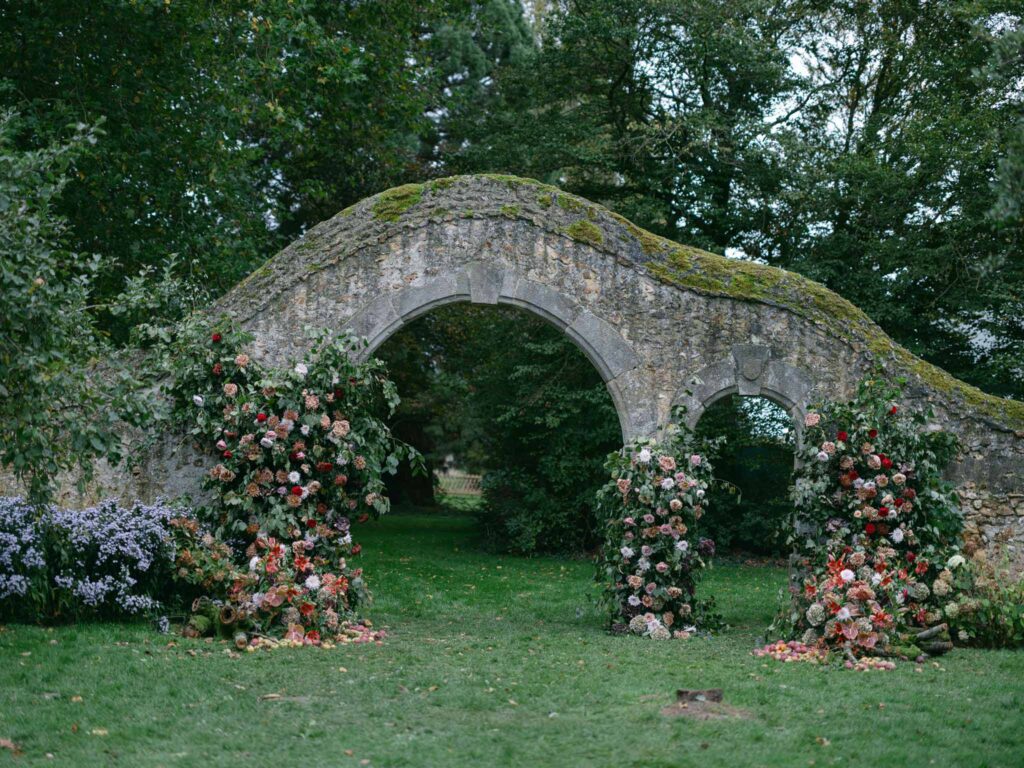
(695, 460)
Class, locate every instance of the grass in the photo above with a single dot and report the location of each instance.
(492, 661)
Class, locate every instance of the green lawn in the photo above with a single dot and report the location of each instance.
(492, 661)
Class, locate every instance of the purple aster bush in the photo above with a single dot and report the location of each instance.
(105, 560)
(22, 565)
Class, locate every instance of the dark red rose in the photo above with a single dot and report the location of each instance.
(872, 433)
(842, 436)
(218, 369)
(324, 466)
(261, 417)
(911, 557)
(306, 609)
(215, 338)
(357, 549)
(226, 454)
(339, 393)
(854, 474)
(362, 518)
(886, 462)
(311, 523)
(909, 493)
(899, 502)
(296, 490)
(892, 411)
(869, 529)
(883, 511)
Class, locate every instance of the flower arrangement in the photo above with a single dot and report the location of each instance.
(299, 457)
(652, 556)
(874, 524)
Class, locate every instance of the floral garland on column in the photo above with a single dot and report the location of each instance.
(652, 557)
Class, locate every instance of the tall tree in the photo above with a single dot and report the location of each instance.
(891, 172)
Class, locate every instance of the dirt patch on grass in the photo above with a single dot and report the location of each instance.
(706, 710)
(704, 705)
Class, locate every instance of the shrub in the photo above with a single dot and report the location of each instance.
(104, 561)
(983, 602)
(520, 514)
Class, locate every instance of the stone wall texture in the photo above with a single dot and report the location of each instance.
(664, 324)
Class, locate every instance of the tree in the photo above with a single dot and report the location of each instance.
(63, 396)
(890, 178)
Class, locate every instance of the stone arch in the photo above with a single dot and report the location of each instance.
(650, 314)
(382, 316)
(750, 371)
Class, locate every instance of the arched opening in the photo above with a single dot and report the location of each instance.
(750, 514)
(514, 422)
(755, 437)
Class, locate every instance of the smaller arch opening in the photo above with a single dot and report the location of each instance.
(750, 513)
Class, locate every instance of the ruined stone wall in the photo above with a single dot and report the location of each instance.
(664, 324)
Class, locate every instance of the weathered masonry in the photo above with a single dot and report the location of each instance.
(663, 323)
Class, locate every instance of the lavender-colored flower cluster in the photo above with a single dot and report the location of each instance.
(105, 559)
(21, 552)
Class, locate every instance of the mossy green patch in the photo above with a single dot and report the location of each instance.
(510, 211)
(586, 232)
(392, 203)
(544, 200)
(513, 181)
(439, 185)
(571, 204)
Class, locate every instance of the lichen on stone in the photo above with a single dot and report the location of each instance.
(510, 211)
(392, 203)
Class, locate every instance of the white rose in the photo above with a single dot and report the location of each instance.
(254, 564)
(626, 552)
(198, 400)
(294, 477)
(668, 483)
(955, 561)
(304, 429)
(897, 535)
(644, 457)
(313, 582)
(847, 575)
(301, 369)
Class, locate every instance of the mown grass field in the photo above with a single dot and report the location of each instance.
(492, 661)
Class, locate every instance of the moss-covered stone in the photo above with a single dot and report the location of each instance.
(698, 270)
(439, 185)
(586, 232)
(392, 203)
(571, 204)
